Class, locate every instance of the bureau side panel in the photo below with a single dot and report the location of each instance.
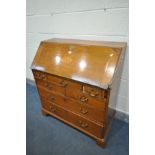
(116, 83)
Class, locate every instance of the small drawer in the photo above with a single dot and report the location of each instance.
(85, 99)
(51, 86)
(73, 85)
(61, 82)
(93, 92)
(39, 75)
(74, 119)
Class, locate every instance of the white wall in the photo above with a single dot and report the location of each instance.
(105, 20)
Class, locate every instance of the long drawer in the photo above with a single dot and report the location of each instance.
(74, 119)
(74, 106)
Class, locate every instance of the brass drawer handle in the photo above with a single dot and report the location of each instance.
(62, 84)
(52, 109)
(83, 99)
(93, 93)
(83, 125)
(83, 111)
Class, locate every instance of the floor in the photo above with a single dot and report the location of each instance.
(48, 136)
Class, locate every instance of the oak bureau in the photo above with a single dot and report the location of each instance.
(78, 82)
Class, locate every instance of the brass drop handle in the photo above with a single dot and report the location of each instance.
(53, 109)
(93, 93)
(83, 125)
(83, 99)
(62, 83)
(83, 111)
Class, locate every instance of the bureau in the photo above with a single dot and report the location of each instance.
(78, 82)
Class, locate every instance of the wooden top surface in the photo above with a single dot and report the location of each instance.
(91, 62)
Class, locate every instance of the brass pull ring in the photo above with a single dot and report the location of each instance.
(83, 125)
(83, 111)
(83, 99)
(93, 93)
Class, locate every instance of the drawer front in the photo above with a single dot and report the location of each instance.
(84, 98)
(93, 92)
(51, 87)
(74, 119)
(64, 82)
(83, 110)
(57, 80)
(51, 97)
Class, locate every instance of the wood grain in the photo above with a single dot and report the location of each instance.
(87, 62)
(75, 82)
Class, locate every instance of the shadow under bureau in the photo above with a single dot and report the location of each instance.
(78, 82)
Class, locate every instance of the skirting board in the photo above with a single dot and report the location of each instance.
(119, 115)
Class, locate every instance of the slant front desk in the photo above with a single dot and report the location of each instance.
(77, 82)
